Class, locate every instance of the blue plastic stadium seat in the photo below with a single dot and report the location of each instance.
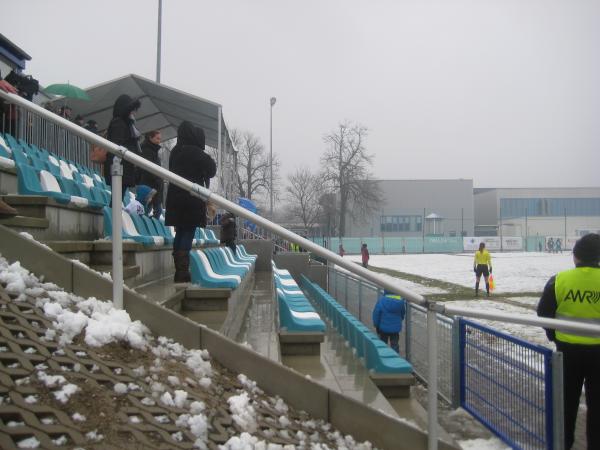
(128, 231)
(204, 275)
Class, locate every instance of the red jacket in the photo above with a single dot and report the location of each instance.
(365, 254)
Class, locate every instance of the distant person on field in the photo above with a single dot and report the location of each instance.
(573, 295)
(228, 231)
(550, 245)
(341, 250)
(388, 315)
(558, 246)
(364, 253)
(482, 265)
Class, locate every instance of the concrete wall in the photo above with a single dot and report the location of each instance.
(8, 181)
(296, 263)
(318, 274)
(261, 247)
(447, 198)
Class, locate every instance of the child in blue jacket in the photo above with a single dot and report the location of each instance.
(388, 315)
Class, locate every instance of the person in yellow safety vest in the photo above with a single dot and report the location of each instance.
(481, 263)
(575, 295)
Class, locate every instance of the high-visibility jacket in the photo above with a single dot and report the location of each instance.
(578, 299)
(483, 257)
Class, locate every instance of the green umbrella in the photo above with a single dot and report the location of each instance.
(67, 90)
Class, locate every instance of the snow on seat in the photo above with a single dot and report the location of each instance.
(6, 163)
(231, 259)
(220, 265)
(5, 150)
(50, 184)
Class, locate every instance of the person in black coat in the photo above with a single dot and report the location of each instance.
(228, 231)
(150, 149)
(184, 211)
(122, 131)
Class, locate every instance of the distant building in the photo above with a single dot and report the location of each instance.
(537, 211)
(420, 207)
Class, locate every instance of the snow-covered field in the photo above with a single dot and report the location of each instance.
(513, 272)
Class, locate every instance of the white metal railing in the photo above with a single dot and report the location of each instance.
(432, 307)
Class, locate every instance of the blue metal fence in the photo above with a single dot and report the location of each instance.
(507, 383)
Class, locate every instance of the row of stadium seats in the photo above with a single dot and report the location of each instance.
(296, 314)
(151, 231)
(220, 267)
(377, 355)
(41, 173)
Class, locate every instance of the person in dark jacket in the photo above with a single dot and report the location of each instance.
(228, 230)
(573, 295)
(184, 211)
(388, 315)
(122, 131)
(150, 149)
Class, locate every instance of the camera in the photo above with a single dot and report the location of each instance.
(26, 85)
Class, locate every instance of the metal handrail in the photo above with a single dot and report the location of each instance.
(199, 191)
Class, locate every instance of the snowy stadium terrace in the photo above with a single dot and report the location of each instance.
(264, 349)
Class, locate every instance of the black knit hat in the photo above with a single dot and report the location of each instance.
(587, 249)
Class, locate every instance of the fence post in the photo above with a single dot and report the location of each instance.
(346, 293)
(461, 361)
(558, 439)
(432, 381)
(117, 236)
(456, 362)
(408, 331)
(360, 300)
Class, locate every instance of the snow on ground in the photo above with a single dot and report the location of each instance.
(513, 272)
(415, 287)
(527, 301)
(483, 444)
(535, 335)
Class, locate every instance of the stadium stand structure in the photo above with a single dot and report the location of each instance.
(66, 206)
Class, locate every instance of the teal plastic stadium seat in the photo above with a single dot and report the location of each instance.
(298, 321)
(203, 274)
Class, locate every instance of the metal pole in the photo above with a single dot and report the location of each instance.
(423, 228)
(158, 41)
(501, 247)
(220, 148)
(272, 102)
(117, 236)
(557, 401)
(565, 241)
(462, 222)
(526, 230)
(432, 379)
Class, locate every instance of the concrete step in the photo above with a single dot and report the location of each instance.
(129, 272)
(21, 222)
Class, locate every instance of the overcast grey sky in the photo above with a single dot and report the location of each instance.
(505, 92)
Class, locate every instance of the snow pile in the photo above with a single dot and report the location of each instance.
(242, 412)
(483, 444)
(31, 238)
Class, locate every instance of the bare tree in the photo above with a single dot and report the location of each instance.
(346, 164)
(253, 174)
(304, 191)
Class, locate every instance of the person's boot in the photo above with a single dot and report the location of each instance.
(487, 289)
(182, 266)
(6, 210)
(477, 289)
(185, 267)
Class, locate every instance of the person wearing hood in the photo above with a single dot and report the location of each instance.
(184, 211)
(150, 149)
(122, 131)
(388, 315)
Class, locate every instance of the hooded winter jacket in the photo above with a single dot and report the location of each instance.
(388, 314)
(150, 152)
(120, 131)
(188, 160)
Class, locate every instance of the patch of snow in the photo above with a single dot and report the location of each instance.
(483, 444)
(30, 442)
(242, 412)
(65, 392)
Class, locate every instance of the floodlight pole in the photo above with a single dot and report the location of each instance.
(273, 100)
(158, 41)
